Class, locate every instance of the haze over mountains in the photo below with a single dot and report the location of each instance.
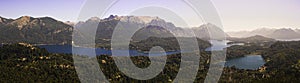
(283, 33)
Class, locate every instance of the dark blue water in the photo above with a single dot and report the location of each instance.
(247, 62)
(217, 45)
(67, 49)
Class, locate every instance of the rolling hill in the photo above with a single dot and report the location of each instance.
(283, 33)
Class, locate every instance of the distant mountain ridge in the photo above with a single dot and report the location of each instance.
(46, 30)
(145, 32)
(283, 33)
(251, 39)
(107, 25)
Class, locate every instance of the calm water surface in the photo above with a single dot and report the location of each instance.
(67, 49)
(246, 62)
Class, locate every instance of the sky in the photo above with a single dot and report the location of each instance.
(64, 10)
(236, 15)
(239, 15)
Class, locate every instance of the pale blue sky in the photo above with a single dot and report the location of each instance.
(235, 14)
(251, 14)
(59, 9)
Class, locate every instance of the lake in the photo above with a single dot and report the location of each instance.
(247, 62)
(216, 45)
(220, 45)
(67, 49)
(251, 62)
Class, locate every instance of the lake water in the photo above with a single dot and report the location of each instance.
(216, 45)
(247, 62)
(220, 45)
(67, 49)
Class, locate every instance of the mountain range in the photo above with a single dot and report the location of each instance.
(46, 30)
(148, 26)
(282, 33)
(251, 39)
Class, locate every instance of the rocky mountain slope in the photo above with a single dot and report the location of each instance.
(146, 25)
(44, 30)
